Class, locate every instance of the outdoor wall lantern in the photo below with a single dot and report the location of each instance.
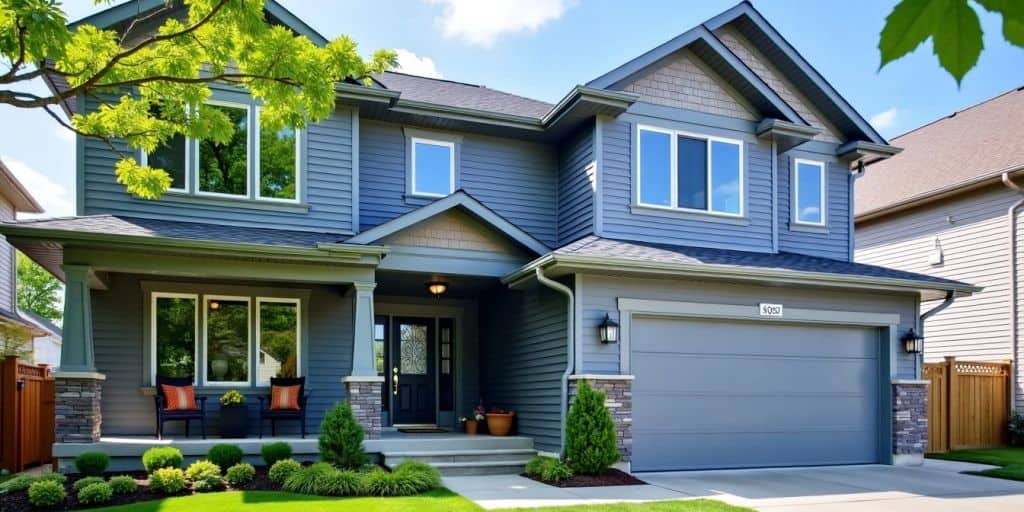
(608, 331)
(437, 288)
(913, 343)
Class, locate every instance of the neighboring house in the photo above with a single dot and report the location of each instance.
(949, 206)
(698, 195)
(14, 198)
(46, 343)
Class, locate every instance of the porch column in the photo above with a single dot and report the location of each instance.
(363, 385)
(78, 386)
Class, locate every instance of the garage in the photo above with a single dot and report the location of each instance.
(737, 394)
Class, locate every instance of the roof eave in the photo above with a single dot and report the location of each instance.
(20, 196)
(927, 289)
(861, 150)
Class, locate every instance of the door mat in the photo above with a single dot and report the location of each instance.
(422, 430)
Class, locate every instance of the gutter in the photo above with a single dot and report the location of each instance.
(950, 297)
(1011, 220)
(570, 350)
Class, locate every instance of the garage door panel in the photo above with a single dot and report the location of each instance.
(719, 394)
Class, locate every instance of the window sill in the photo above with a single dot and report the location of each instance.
(420, 199)
(173, 196)
(676, 213)
(808, 228)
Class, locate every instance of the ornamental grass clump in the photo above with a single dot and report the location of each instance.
(590, 442)
(341, 439)
(548, 469)
(407, 479)
(309, 480)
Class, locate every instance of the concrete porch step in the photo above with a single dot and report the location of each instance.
(511, 461)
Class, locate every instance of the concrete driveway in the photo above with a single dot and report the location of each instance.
(936, 487)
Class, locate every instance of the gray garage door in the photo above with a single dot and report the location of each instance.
(728, 394)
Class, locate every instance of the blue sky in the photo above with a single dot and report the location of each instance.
(541, 48)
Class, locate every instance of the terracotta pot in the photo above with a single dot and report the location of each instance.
(471, 427)
(499, 424)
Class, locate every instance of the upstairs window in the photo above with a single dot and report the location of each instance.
(433, 167)
(224, 168)
(809, 192)
(685, 171)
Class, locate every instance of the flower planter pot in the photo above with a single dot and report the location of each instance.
(499, 423)
(234, 421)
(471, 427)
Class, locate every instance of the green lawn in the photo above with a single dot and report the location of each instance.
(438, 501)
(1010, 460)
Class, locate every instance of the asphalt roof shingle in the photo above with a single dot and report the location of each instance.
(134, 226)
(458, 94)
(594, 246)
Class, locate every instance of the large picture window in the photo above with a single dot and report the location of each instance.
(685, 171)
(279, 336)
(175, 320)
(227, 340)
(809, 192)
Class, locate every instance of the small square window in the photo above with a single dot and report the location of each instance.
(433, 167)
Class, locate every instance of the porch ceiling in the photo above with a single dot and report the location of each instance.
(414, 284)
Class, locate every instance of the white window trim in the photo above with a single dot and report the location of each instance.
(144, 162)
(451, 165)
(674, 172)
(298, 333)
(248, 351)
(152, 333)
(259, 170)
(796, 191)
(248, 152)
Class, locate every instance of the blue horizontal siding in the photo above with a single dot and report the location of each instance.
(575, 189)
(832, 243)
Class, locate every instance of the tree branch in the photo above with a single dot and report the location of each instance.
(20, 61)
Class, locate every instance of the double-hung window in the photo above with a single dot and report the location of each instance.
(256, 162)
(433, 167)
(679, 170)
(225, 340)
(809, 192)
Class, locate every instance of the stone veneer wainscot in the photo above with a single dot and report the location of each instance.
(78, 418)
(909, 421)
(618, 390)
(364, 395)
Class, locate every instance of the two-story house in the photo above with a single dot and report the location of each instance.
(677, 232)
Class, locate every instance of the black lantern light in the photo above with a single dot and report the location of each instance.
(913, 343)
(608, 331)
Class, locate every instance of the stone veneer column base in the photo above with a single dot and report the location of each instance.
(78, 418)
(363, 394)
(618, 390)
(909, 422)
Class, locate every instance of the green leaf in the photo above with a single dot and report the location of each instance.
(909, 24)
(1013, 18)
(957, 40)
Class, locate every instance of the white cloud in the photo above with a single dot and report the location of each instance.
(887, 119)
(410, 63)
(52, 196)
(480, 23)
(64, 134)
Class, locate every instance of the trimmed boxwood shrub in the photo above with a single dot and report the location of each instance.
(205, 476)
(548, 469)
(282, 469)
(240, 474)
(225, 455)
(92, 463)
(341, 438)
(95, 494)
(273, 452)
(123, 484)
(89, 480)
(590, 442)
(162, 457)
(167, 480)
(46, 493)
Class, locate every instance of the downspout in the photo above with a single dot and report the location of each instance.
(950, 296)
(570, 350)
(1011, 220)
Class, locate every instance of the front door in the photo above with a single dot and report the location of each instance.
(413, 371)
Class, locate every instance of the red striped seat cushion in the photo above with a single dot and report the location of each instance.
(284, 398)
(179, 398)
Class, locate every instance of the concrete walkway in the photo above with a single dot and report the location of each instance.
(937, 487)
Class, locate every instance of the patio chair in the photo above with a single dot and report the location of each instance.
(268, 413)
(187, 415)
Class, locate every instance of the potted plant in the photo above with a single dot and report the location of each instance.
(499, 421)
(472, 422)
(234, 415)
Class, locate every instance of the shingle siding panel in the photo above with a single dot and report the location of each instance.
(576, 186)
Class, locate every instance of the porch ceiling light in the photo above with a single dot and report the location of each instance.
(437, 288)
(913, 343)
(214, 305)
(608, 331)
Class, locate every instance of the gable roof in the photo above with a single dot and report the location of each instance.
(459, 94)
(953, 154)
(458, 199)
(16, 193)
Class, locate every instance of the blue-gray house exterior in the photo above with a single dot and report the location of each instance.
(748, 338)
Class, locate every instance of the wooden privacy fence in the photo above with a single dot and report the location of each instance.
(27, 423)
(968, 404)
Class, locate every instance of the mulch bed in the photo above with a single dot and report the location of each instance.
(18, 501)
(612, 478)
